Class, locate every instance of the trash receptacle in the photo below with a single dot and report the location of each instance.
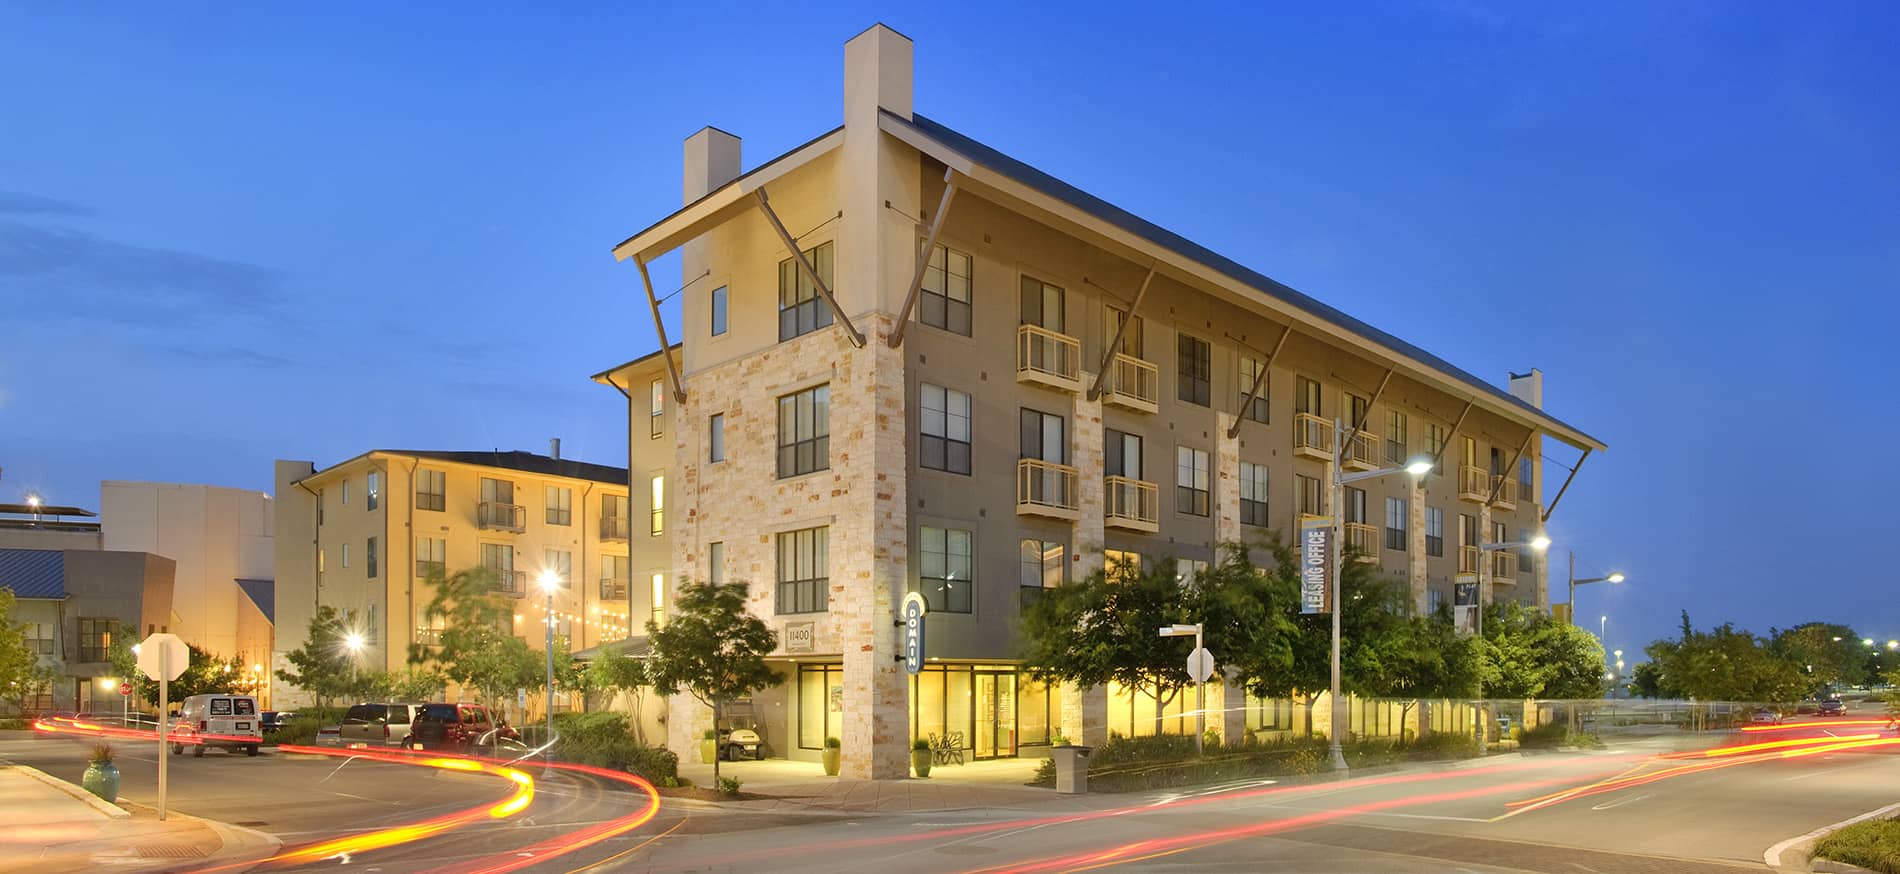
(1072, 769)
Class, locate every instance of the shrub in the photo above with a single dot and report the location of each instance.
(729, 786)
(1132, 764)
(658, 765)
(101, 754)
(920, 745)
(832, 743)
(14, 725)
(709, 734)
(1551, 735)
(301, 730)
(1874, 844)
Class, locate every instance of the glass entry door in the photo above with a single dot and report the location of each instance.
(995, 735)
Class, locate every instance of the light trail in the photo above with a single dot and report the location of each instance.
(1821, 723)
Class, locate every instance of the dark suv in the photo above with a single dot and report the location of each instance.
(454, 727)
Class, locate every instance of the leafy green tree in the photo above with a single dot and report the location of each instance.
(323, 666)
(1529, 654)
(1723, 664)
(1828, 655)
(1646, 679)
(21, 674)
(413, 683)
(1425, 658)
(615, 671)
(712, 647)
(477, 646)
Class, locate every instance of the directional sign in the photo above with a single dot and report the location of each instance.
(1200, 665)
(914, 610)
(163, 656)
(1316, 564)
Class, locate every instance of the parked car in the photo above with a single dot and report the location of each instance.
(273, 720)
(459, 727)
(227, 721)
(386, 724)
(1832, 707)
(1764, 716)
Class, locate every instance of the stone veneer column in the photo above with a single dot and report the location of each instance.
(1415, 547)
(1226, 483)
(872, 557)
(1485, 582)
(1085, 711)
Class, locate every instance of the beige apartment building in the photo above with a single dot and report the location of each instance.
(365, 535)
(1055, 384)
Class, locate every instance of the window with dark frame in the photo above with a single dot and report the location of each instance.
(561, 562)
(1195, 372)
(1257, 409)
(716, 438)
(1435, 438)
(718, 311)
(1253, 494)
(801, 310)
(432, 492)
(1307, 488)
(432, 557)
(1191, 493)
(1132, 345)
(944, 429)
(945, 302)
(1525, 475)
(1395, 523)
(1434, 532)
(656, 409)
(656, 515)
(1355, 506)
(560, 505)
(373, 495)
(1397, 430)
(1308, 397)
(1121, 455)
(944, 571)
(804, 431)
(95, 638)
(803, 571)
(1043, 565)
(370, 567)
(1043, 436)
(1043, 305)
(1356, 408)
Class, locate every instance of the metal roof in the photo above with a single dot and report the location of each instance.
(33, 573)
(263, 593)
(514, 459)
(45, 510)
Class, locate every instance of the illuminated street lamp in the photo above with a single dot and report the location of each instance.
(354, 643)
(33, 501)
(549, 580)
(1612, 579)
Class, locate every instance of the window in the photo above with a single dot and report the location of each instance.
(945, 427)
(716, 438)
(656, 518)
(374, 492)
(1195, 372)
(39, 638)
(432, 556)
(804, 431)
(560, 505)
(1435, 439)
(1308, 488)
(804, 570)
(1396, 429)
(1467, 539)
(1355, 506)
(1132, 345)
(1525, 473)
(1041, 436)
(1306, 397)
(946, 288)
(657, 592)
(1186, 569)
(1356, 408)
(1043, 305)
(346, 554)
(1253, 494)
(1120, 562)
(561, 563)
(1526, 554)
(369, 558)
(656, 409)
(820, 704)
(1250, 370)
(1434, 532)
(1121, 455)
(614, 571)
(1434, 600)
(1471, 451)
(1042, 564)
(944, 578)
(716, 562)
(497, 491)
(432, 491)
(499, 557)
(346, 492)
(1395, 520)
(719, 311)
(95, 639)
(1190, 481)
(801, 310)
(1499, 534)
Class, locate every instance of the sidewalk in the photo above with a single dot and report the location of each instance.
(55, 826)
(803, 786)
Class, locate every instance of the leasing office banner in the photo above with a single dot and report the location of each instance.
(1316, 564)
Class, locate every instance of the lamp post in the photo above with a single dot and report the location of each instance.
(1574, 583)
(1417, 468)
(1603, 628)
(1539, 543)
(549, 579)
(1200, 704)
(354, 643)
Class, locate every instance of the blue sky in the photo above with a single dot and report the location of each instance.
(233, 234)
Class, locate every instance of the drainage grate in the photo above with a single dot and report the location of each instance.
(169, 851)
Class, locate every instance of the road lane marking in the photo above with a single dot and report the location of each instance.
(1619, 802)
(1818, 773)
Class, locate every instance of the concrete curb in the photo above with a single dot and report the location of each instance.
(1796, 854)
(242, 846)
(95, 802)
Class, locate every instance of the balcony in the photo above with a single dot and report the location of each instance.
(1133, 505)
(513, 584)
(1362, 541)
(1506, 492)
(1362, 453)
(1312, 437)
(1134, 385)
(494, 516)
(1044, 488)
(1467, 559)
(1049, 359)
(1473, 484)
(614, 588)
(1504, 568)
(615, 528)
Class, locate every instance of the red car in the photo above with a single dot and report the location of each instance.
(457, 727)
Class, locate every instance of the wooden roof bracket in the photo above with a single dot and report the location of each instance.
(811, 273)
(1115, 345)
(666, 349)
(923, 256)
(1260, 379)
(1505, 475)
(1361, 424)
(1452, 434)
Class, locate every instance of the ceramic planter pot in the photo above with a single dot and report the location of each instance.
(707, 750)
(832, 757)
(920, 762)
(102, 779)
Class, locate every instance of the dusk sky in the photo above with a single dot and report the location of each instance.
(235, 233)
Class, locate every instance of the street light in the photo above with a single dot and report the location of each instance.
(33, 501)
(549, 580)
(1200, 703)
(1612, 579)
(1417, 467)
(354, 643)
(1603, 628)
(1539, 543)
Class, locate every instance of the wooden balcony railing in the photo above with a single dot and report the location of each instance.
(1507, 492)
(495, 516)
(1362, 540)
(1132, 504)
(1504, 567)
(1046, 358)
(1312, 437)
(1135, 384)
(1044, 488)
(1474, 484)
(1362, 452)
(1467, 559)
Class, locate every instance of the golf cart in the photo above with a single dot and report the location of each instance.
(739, 733)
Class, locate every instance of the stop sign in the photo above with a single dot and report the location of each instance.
(163, 656)
(125, 688)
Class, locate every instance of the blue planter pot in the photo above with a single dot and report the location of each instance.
(102, 780)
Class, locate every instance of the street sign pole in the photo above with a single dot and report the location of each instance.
(164, 724)
(1200, 697)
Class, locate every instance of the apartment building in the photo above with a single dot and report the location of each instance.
(365, 535)
(971, 380)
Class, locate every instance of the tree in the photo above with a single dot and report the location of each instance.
(1646, 679)
(21, 674)
(1828, 655)
(412, 683)
(1722, 664)
(712, 647)
(477, 647)
(1425, 658)
(615, 671)
(1529, 654)
(323, 666)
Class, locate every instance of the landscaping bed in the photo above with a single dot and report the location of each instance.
(1142, 763)
(1874, 845)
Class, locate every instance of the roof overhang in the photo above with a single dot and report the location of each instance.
(722, 204)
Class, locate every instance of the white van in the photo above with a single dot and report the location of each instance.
(229, 721)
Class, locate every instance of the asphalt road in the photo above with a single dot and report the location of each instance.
(1627, 809)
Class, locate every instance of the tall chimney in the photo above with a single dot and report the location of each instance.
(877, 75)
(554, 447)
(712, 160)
(1529, 387)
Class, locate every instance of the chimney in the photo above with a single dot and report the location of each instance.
(712, 160)
(554, 448)
(1529, 387)
(877, 75)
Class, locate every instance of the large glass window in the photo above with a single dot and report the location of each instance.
(560, 503)
(719, 311)
(1253, 494)
(820, 704)
(1395, 522)
(1120, 562)
(1434, 532)
(1269, 714)
(561, 563)
(946, 291)
(804, 570)
(945, 429)
(656, 517)
(1043, 305)
(801, 310)
(1042, 564)
(1435, 438)
(95, 639)
(1307, 397)
(1121, 455)
(944, 576)
(1256, 409)
(1131, 713)
(431, 490)
(614, 573)
(804, 431)
(1355, 505)
(1190, 481)
(1043, 436)
(1038, 710)
(1356, 410)
(1526, 485)
(1132, 345)
(1308, 488)
(1397, 433)
(1195, 372)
